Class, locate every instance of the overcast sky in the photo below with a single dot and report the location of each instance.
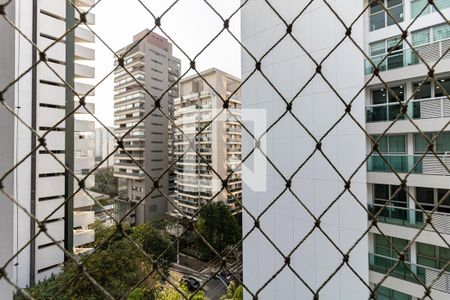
(190, 23)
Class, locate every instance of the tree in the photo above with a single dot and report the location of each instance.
(105, 182)
(219, 227)
(117, 265)
(234, 292)
(169, 293)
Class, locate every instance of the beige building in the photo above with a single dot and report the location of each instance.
(218, 141)
(151, 63)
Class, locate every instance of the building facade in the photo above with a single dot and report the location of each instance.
(217, 140)
(405, 147)
(149, 59)
(105, 144)
(375, 186)
(39, 184)
(84, 132)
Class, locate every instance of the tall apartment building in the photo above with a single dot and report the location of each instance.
(84, 132)
(151, 62)
(105, 144)
(317, 184)
(218, 140)
(38, 184)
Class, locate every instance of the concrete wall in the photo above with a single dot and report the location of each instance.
(286, 223)
(7, 38)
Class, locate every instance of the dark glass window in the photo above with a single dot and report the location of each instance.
(443, 84)
(422, 90)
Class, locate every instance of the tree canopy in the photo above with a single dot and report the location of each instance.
(117, 264)
(105, 182)
(218, 226)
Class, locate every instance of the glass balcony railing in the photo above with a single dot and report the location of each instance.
(416, 109)
(402, 163)
(398, 215)
(410, 272)
(398, 163)
(408, 217)
(430, 53)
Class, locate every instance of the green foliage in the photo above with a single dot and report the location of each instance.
(219, 227)
(169, 293)
(137, 294)
(117, 265)
(234, 292)
(105, 182)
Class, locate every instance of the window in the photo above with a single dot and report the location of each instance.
(379, 17)
(384, 293)
(443, 88)
(429, 198)
(381, 96)
(390, 144)
(422, 90)
(442, 143)
(431, 34)
(385, 246)
(382, 193)
(418, 5)
(393, 46)
(432, 256)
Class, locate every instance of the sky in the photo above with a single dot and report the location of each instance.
(190, 23)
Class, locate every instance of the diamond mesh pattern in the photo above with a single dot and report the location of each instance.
(225, 260)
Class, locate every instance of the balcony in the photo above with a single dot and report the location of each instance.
(410, 272)
(416, 109)
(83, 237)
(429, 165)
(414, 218)
(430, 53)
(83, 218)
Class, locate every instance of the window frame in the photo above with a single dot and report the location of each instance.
(387, 18)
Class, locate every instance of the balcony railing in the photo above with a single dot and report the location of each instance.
(409, 217)
(430, 53)
(429, 165)
(416, 109)
(409, 271)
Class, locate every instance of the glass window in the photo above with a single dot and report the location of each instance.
(378, 48)
(379, 17)
(420, 143)
(441, 32)
(432, 256)
(425, 196)
(443, 142)
(422, 90)
(385, 246)
(397, 143)
(442, 4)
(396, 91)
(443, 88)
(417, 6)
(392, 3)
(397, 15)
(379, 96)
(394, 44)
(421, 37)
(384, 293)
(381, 191)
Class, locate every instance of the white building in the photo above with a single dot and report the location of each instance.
(84, 145)
(218, 140)
(317, 184)
(105, 144)
(149, 59)
(39, 98)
